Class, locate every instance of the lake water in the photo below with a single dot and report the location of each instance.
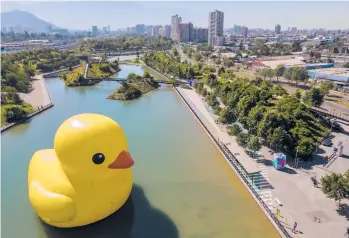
(182, 185)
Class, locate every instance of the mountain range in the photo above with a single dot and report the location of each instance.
(26, 20)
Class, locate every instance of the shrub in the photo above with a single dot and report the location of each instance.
(234, 130)
(13, 113)
(242, 139)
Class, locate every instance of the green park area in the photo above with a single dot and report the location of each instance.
(134, 87)
(95, 73)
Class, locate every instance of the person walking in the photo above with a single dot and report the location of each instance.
(347, 234)
(294, 227)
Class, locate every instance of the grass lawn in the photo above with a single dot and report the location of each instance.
(27, 107)
(94, 71)
(291, 89)
(73, 75)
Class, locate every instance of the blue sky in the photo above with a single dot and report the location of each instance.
(84, 14)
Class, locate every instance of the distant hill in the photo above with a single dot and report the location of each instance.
(25, 20)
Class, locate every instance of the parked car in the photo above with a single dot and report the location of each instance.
(327, 142)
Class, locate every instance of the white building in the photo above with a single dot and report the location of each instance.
(215, 28)
(156, 30)
(165, 31)
(175, 30)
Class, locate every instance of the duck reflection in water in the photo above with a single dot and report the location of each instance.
(136, 218)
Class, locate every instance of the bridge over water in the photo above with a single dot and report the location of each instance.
(159, 81)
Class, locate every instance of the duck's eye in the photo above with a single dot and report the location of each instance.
(98, 158)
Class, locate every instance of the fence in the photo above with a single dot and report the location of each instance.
(238, 168)
(8, 126)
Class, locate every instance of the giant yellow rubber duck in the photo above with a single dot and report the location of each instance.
(86, 177)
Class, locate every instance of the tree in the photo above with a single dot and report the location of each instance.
(218, 61)
(279, 71)
(305, 147)
(288, 74)
(254, 143)
(266, 72)
(11, 80)
(298, 94)
(243, 139)
(16, 99)
(335, 186)
(346, 65)
(299, 74)
(13, 113)
(221, 70)
(234, 130)
(325, 87)
(227, 116)
(197, 56)
(314, 97)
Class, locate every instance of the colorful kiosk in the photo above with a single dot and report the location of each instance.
(279, 160)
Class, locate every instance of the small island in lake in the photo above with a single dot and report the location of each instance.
(95, 73)
(134, 87)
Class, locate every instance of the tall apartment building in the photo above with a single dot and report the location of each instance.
(149, 29)
(278, 29)
(175, 27)
(244, 31)
(184, 32)
(94, 31)
(215, 28)
(140, 28)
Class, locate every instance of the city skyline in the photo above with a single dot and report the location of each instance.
(249, 14)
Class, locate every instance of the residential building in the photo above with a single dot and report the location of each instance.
(175, 27)
(191, 32)
(155, 31)
(165, 31)
(278, 29)
(105, 29)
(184, 32)
(108, 28)
(244, 31)
(200, 34)
(94, 31)
(140, 28)
(215, 28)
(149, 29)
(3, 29)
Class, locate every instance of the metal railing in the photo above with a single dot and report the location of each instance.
(239, 169)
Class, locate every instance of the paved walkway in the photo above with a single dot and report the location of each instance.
(39, 96)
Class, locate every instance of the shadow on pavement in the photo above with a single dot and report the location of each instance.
(288, 170)
(136, 218)
(343, 210)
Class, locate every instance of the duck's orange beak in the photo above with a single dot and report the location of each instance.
(123, 161)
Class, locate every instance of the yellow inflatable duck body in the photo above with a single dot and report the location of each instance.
(86, 177)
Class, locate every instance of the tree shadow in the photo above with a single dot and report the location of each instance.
(288, 170)
(343, 210)
(136, 218)
(322, 151)
(317, 160)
